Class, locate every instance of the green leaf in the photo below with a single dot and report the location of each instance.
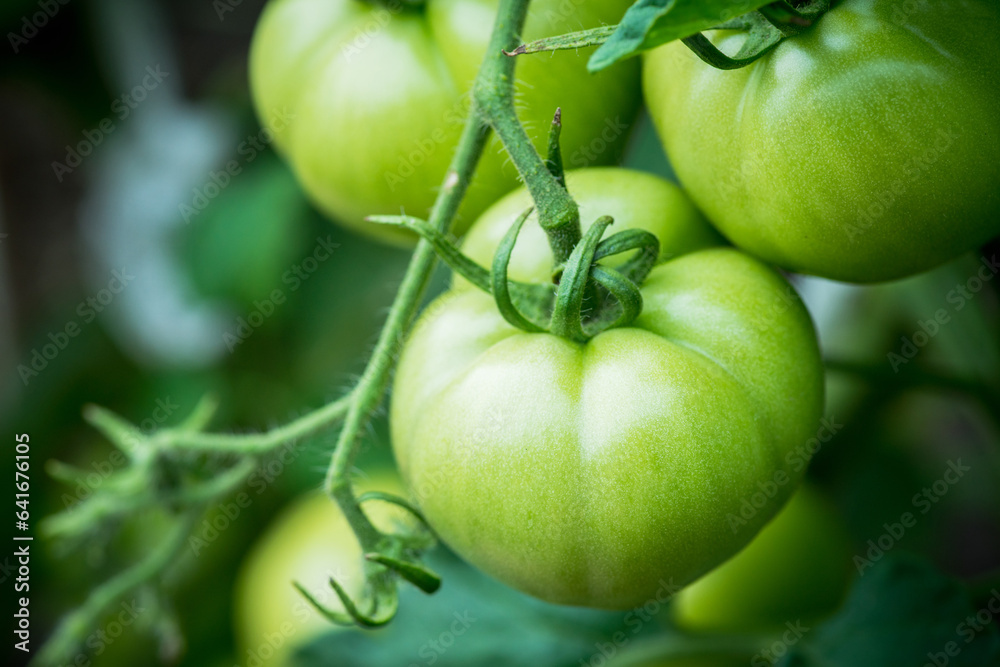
(902, 611)
(650, 23)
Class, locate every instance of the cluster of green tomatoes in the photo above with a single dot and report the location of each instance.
(585, 473)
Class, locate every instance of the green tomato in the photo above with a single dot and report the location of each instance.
(866, 149)
(308, 542)
(796, 569)
(367, 103)
(591, 474)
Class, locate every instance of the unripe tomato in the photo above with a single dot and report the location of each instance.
(368, 102)
(797, 569)
(866, 149)
(591, 474)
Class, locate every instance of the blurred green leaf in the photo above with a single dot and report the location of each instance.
(903, 611)
(242, 242)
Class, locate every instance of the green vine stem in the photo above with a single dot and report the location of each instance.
(493, 90)
(189, 436)
(558, 307)
(375, 379)
(396, 5)
(135, 488)
(66, 639)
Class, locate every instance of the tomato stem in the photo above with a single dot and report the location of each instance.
(493, 97)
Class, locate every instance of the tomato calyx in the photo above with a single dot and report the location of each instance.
(611, 295)
(584, 279)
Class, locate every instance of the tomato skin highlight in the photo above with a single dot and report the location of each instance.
(591, 474)
(866, 149)
(367, 104)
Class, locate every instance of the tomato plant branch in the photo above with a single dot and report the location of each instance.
(257, 443)
(72, 630)
(374, 382)
(151, 479)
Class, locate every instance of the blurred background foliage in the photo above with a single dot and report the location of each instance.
(168, 338)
